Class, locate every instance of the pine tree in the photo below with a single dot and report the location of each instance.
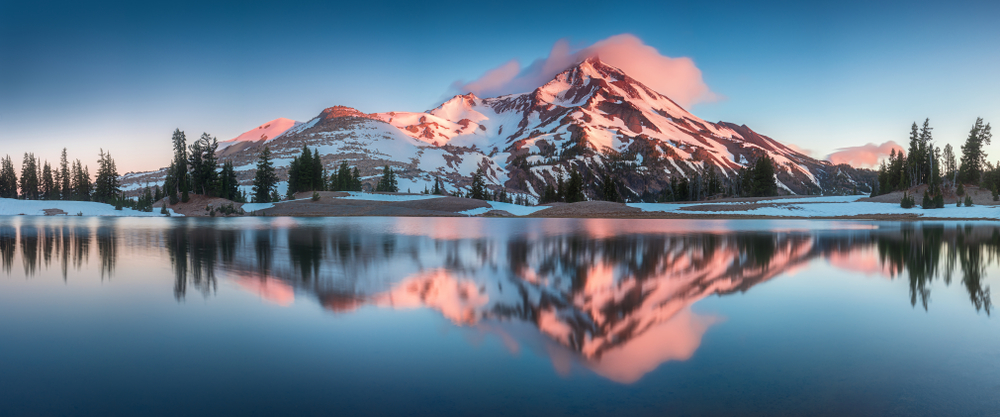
(203, 163)
(560, 187)
(305, 173)
(609, 191)
(29, 178)
(758, 179)
(388, 181)
(147, 201)
(265, 181)
(950, 166)
(64, 177)
(914, 159)
(195, 165)
(907, 201)
(478, 190)
(935, 169)
(80, 182)
(229, 184)
(182, 180)
(681, 191)
(49, 190)
(574, 188)
(973, 155)
(107, 185)
(341, 180)
(170, 183)
(549, 195)
(8, 179)
(294, 177)
(318, 184)
(925, 156)
(355, 180)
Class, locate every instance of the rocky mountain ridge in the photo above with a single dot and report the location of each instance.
(591, 118)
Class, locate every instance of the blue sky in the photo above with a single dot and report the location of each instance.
(820, 75)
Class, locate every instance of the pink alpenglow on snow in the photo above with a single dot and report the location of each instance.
(866, 156)
(266, 131)
(677, 78)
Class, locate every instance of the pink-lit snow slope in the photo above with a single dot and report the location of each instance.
(266, 131)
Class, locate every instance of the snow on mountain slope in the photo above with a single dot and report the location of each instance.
(342, 133)
(266, 131)
(592, 111)
(591, 118)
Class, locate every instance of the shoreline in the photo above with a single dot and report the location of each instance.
(360, 204)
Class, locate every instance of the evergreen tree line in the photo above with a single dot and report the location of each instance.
(753, 180)
(345, 179)
(920, 165)
(195, 169)
(71, 182)
(306, 173)
(565, 191)
(388, 182)
(924, 163)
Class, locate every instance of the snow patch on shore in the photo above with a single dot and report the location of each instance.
(12, 207)
(514, 209)
(823, 207)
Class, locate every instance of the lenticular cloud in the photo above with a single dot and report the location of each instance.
(677, 78)
(866, 156)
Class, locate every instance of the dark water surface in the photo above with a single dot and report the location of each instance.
(418, 316)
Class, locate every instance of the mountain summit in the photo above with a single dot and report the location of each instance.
(591, 118)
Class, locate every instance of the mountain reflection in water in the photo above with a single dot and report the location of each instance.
(615, 296)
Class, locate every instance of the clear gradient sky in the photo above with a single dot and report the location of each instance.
(819, 75)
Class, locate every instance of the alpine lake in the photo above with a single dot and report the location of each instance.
(103, 316)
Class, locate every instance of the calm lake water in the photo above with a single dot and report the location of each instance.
(468, 316)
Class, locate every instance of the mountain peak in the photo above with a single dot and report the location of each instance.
(593, 61)
(344, 111)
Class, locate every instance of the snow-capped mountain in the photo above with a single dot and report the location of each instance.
(591, 118)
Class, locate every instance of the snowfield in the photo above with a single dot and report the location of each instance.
(12, 207)
(826, 207)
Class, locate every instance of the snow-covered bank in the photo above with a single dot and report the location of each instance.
(12, 207)
(821, 207)
(514, 209)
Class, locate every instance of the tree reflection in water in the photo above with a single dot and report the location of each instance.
(920, 254)
(618, 301)
(8, 245)
(107, 249)
(195, 252)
